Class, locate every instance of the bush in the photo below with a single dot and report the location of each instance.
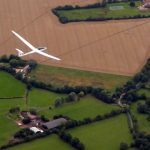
(132, 4)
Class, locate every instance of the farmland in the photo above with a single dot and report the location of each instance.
(111, 131)
(86, 107)
(117, 47)
(40, 100)
(61, 76)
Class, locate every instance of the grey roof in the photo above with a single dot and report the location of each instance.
(55, 123)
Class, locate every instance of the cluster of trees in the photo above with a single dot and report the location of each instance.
(23, 133)
(144, 108)
(103, 95)
(14, 110)
(124, 146)
(137, 82)
(141, 141)
(75, 123)
(74, 142)
(72, 97)
(15, 61)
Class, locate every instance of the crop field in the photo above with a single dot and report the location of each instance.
(52, 142)
(86, 107)
(98, 135)
(72, 77)
(15, 89)
(118, 47)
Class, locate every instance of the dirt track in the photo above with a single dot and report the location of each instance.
(119, 47)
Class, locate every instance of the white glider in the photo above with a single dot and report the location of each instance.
(34, 49)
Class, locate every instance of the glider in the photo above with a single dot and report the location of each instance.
(33, 49)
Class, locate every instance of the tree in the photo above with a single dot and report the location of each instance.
(26, 121)
(123, 146)
(4, 59)
(132, 4)
(32, 64)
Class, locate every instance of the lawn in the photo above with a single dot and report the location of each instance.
(104, 12)
(72, 77)
(10, 87)
(143, 123)
(52, 142)
(39, 98)
(86, 107)
(7, 125)
(104, 135)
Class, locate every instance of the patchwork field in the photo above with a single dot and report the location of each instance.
(62, 76)
(105, 135)
(119, 47)
(86, 107)
(10, 87)
(52, 142)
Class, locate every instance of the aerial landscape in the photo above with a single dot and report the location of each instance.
(74, 75)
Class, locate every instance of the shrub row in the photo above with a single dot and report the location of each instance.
(74, 142)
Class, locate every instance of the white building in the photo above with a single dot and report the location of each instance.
(36, 130)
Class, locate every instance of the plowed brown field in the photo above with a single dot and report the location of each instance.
(119, 47)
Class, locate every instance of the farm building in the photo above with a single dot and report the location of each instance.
(54, 123)
(36, 130)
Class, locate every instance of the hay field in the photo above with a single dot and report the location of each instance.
(119, 47)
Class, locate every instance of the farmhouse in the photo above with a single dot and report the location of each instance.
(54, 123)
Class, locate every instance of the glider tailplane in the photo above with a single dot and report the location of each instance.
(42, 48)
(20, 53)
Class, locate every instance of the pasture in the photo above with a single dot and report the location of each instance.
(143, 123)
(112, 10)
(86, 107)
(39, 98)
(10, 87)
(61, 76)
(116, 47)
(51, 142)
(7, 125)
(105, 135)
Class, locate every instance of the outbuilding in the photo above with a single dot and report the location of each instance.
(54, 123)
(36, 130)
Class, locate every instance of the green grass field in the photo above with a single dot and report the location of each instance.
(106, 12)
(144, 91)
(52, 143)
(72, 77)
(9, 86)
(143, 123)
(86, 107)
(104, 135)
(7, 126)
(41, 98)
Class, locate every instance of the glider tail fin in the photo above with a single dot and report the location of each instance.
(20, 53)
